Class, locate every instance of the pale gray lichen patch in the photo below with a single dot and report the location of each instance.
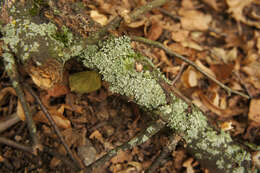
(115, 60)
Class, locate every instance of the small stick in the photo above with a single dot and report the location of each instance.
(11, 69)
(168, 51)
(142, 137)
(174, 140)
(14, 144)
(183, 67)
(10, 121)
(53, 124)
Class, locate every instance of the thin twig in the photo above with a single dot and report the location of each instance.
(14, 144)
(168, 51)
(182, 69)
(11, 69)
(96, 36)
(53, 124)
(5, 124)
(137, 140)
(174, 140)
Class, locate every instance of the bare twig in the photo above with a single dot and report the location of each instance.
(168, 51)
(137, 140)
(5, 124)
(14, 144)
(11, 69)
(174, 140)
(53, 124)
(182, 69)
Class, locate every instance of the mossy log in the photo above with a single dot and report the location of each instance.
(116, 62)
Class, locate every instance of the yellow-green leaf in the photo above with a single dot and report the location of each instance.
(85, 82)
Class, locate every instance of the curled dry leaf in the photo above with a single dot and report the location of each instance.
(193, 20)
(155, 31)
(57, 115)
(98, 17)
(244, 11)
(254, 112)
(49, 73)
(222, 113)
(188, 165)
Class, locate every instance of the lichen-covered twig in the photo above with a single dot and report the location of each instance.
(168, 51)
(142, 137)
(116, 60)
(53, 124)
(11, 68)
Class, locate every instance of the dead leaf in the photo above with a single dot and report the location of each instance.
(58, 90)
(254, 112)
(20, 112)
(188, 165)
(137, 24)
(193, 20)
(98, 17)
(180, 35)
(222, 113)
(213, 4)
(98, 136)
(237, 9)
(121, 157)
(155, 31)
(222, 71)
(57, 115)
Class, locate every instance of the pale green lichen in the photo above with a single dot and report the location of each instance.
(115, 60)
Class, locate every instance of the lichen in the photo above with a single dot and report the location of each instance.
(115, 60)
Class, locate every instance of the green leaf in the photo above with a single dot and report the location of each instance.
(85, 82)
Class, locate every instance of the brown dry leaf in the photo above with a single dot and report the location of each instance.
(57, 115)
(58, 90)
(193, 20)
(20, 112)
(222, 71)
(254, 112)
(188, 165)
(222, 113)
(98, 136)
(237, 8)
(155, 31)
(226, 56)
(121, 157)
(213, 4)
(137, 24)
(190, 77)
(54, 162)
(253, 72)
(226, 126)
(98, 17)
(180, 35)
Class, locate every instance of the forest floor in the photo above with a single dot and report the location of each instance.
(221, 37)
